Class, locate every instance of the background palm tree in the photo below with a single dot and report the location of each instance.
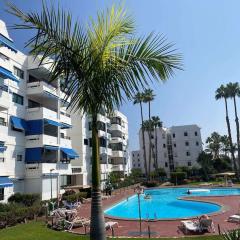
(214, 144)
(148, 128)
(138, 99)
(99, 66)
(148, 98)
(225, 144)
(156, 124)
(233, 92)
(222, 93)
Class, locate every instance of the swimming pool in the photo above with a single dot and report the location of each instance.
(165, 204)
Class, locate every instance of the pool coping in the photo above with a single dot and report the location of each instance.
(223, 209)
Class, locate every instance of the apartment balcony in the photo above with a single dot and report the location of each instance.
(3, 131)
(117, 153)
(117, 167)
(4, 98)
(117, 139)
(65, 142)
(5, 63)
(33, 141)
(41, 90)
(36, 169)
(40, 113)
(65, 118)
(116, 127)
(107, 151)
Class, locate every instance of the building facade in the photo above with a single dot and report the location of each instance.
(113, 137)
(173, 147)
(35, 147)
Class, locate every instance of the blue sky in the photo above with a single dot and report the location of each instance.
(207, 33)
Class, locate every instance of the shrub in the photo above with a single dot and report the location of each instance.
(75, 197)
(178, 177)
(25, 199)
(150, 184)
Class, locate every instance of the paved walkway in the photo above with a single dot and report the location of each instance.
(165, 228)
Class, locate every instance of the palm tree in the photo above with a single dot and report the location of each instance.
(222, 92)
(156, 124)
(214, 144)
(138, 99)
(233, 91)
(225, 144)
(148, 127)
(148, 98)
(100, 66)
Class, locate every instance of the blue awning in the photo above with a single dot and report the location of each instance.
(49, 147)
(5, 182)
(51, 122)
(33, 155)
(19, 123)
(4, 41)
(3, 148)
(65, 126)
(70, 152)
(4, 73)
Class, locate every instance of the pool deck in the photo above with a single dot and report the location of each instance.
(165, 228)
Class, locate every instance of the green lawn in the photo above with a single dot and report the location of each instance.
(38, 231)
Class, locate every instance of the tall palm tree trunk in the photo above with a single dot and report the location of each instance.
(144, 146)
(97, 230)
(237, 128)
(150, 140)
(156, 148)
(230, 139)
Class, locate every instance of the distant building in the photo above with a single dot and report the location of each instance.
(176, 146)
(114, 154)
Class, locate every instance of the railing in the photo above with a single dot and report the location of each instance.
(4, 88)
(65, 114)
(66, 137)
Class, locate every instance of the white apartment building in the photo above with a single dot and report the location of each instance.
(35, 148)
(176, 146)
(114, 155)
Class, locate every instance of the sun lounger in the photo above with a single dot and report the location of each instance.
(234, 218)
(109, 225)
(198, 226)
(71, 205)
(77, 222)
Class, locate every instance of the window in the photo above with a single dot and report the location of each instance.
(133, 154)
(152, 137)
(139, 165)
(163, 135)
(186, 143)
(17, 98)
(138, 159)
(19, 157)
(188, 153)
(173, 135)
(165, 154)
(134, 165)
(164, 145)
(185, 134)
(196, 133)
(189, 164)
(197, 143)
(1, 194)
(85, 141)
(166, 164)
(18, 72)
(2, 121)
(90, 142)
(175, 145)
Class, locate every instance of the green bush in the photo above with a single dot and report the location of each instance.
(74, 197)
(178, 177)
(25, 199)
(150, 184)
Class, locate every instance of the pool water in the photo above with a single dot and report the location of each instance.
(165, 203)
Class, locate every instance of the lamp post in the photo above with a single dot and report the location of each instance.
(139, 192)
